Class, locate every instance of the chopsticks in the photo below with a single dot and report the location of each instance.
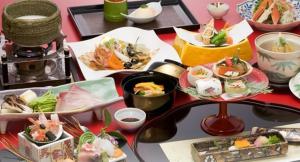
(8, 144)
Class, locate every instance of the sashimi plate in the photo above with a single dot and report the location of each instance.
(246, 8)
(127, 34)
(103, 88)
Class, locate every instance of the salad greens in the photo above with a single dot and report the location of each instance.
(44, 103)
(273, 139)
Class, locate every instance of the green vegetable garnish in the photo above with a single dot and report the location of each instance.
(282, 41)
(219, 38)
(86, 137)
(110, 44)
(141, 93)
(144, 6)
(44, 103)
(235, 60)
(27, 131)
(273, 139)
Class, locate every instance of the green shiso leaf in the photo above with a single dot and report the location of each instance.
(117, 135)
(255, 88)
(107, 117)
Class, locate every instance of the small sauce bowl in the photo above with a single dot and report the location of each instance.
(130, 119)
(218, 10)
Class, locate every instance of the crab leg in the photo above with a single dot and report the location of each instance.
(260, 10)
(266, 13)
(275, 14)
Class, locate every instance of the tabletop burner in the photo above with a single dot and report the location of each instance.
(42, 65)
(34, 52)
(29, 52)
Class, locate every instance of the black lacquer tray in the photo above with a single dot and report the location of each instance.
(89, 20)
(183, 122)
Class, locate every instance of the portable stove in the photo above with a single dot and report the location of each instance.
(33, 54)
(35, 66)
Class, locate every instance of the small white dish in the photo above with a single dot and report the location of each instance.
(130, 113)
(192, 77)
(294, 85)
(140, 16)
(218, 10)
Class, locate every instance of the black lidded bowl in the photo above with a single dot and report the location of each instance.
(149, 104)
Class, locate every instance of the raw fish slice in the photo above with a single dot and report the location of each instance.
(104, 145)
(76, 98)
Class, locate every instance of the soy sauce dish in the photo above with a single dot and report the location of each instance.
(130, 119)
(150, 91)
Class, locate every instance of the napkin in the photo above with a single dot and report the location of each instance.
(238, 32)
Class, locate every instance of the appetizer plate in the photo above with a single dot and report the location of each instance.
(245, 10)
(103, 88)
(294, 85)
(256, 76)
(241, 147)
(127, 34)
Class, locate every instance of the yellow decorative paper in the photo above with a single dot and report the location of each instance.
(192, 55)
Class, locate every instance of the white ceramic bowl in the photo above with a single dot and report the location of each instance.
(156, 6)
(130, 113)
(193, 78)
(279, 67)
(218, 10)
